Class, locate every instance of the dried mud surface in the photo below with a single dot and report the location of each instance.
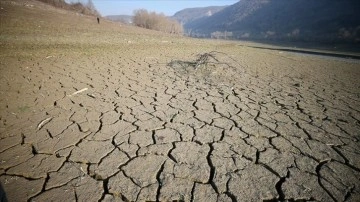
(107, 115)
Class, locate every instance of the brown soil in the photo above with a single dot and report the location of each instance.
(110, 112)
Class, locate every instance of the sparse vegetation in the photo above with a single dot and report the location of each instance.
(155, 21)
(87, 8)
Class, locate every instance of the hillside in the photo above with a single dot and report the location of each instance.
(83, 7)
(188, 15)
(298, 20)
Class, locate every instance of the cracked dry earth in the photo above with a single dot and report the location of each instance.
(146, 131)
(120, 124)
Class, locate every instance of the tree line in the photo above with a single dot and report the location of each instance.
(155, 21)
(80, 6)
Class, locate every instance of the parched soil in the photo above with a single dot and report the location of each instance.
(111, 112)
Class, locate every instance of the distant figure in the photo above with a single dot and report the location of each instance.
(98, 19)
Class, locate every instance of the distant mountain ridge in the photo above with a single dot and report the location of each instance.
(183, 16)
(127, 19)
(304, 20)
(190, 14)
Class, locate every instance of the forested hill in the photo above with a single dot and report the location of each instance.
(292, 20)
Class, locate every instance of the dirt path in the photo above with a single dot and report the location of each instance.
(117, 122)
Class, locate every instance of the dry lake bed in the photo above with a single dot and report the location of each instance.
(111, 112)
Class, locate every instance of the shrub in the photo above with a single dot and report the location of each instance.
(155, 21)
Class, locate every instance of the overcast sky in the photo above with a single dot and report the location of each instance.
(168, 7)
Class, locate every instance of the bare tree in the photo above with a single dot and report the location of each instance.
(90, 5)
(75, 5)
(155, 21)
